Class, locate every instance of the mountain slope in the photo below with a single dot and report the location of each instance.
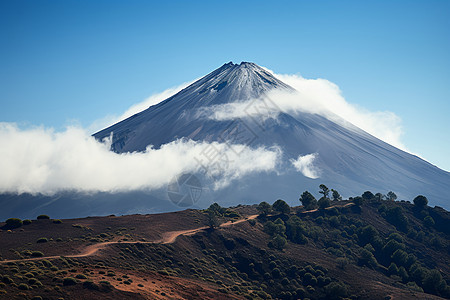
(342, 252)
(347, 158)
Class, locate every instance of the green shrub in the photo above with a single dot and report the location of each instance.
(12, 223)
(323, 203)
(33, 281)
(396, 217)
(334, 221)
(26, 222)
(6, 279)
(264, 208)
(278, 242)
(81, 276)
(37, 254)
(43, 217)
(433, 282)
(69, 281)
(420, 201)
(428, 221)
(57, 221)
(400, 257)
(281, 206)
(105, 285)
(366, 258)
(309, 279)
(336, 290)
(42, 240)
(308, 201)
(341, 262)
(90, 285)
(23, 286)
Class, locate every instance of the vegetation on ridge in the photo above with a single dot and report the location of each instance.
(368, 246)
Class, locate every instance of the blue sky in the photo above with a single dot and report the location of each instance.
(65, 62)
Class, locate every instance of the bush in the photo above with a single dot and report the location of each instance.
(309, 279)
(368, 195)
(336, 290)
(6, 279)
(69, 281)
(272, 228)
(323, 203)
(334, 221)
(400, 257)
(281, 207)
(433, 282)
(392, 270)
(23, 286)
(37, 254)
(366, 258)
(42, 240)
(264, 208)
(106, 286)
(358, 201)
(26, 222)
(428, 221)
(43, 217)
(81, 276)
(90, 285)
(308, 200)
(341, 262)
(367, 234)
(12, 223)
(420, 201)
(57, 221)
(396, 217)
(278, 242)
(33, 281)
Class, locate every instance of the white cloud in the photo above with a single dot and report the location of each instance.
(42, 160)
(304, 164)
(324, 97)
(318, 96)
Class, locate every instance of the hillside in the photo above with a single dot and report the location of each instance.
(361, 248)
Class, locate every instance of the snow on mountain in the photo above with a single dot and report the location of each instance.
(314, 148)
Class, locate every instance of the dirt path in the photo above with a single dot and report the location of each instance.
(167, 238)
(327, 208)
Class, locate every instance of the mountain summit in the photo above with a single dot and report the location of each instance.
(343, 157)
(179, 113)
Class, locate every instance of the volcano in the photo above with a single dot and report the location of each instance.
(338, 154)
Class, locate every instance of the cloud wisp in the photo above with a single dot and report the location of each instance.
(305, 165)
(39, 160)
(317, 96)
(323, 97)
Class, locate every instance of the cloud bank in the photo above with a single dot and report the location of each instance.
(305, 165)
(317, 96)
(324, 97)
(39, 160)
